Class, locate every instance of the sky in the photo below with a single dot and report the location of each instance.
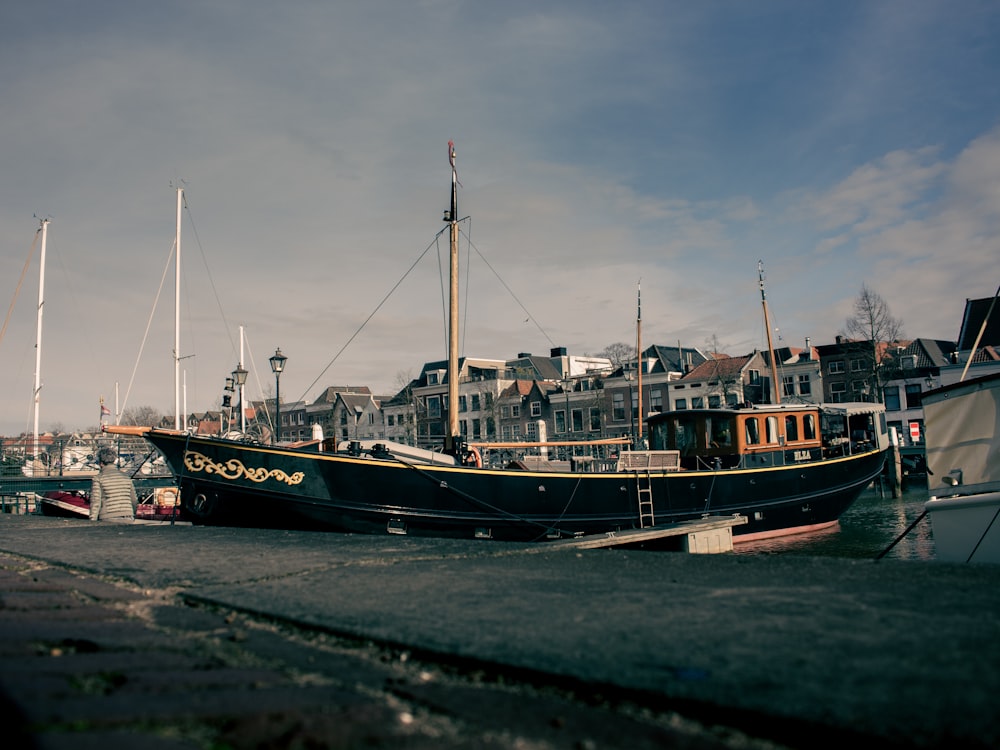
(601, 148)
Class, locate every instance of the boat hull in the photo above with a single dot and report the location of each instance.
(966, 528)
(232, 483)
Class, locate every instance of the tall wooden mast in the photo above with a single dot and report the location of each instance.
(638, 353)
(767, 325)
(452, 438)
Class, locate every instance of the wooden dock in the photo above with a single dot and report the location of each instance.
(706, 535)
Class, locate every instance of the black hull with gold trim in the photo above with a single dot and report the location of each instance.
(233, 483)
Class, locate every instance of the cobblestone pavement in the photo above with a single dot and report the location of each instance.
(164, 636)
(87, 663)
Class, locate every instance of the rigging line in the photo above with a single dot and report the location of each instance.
(444, 297)
(256, 375)
(17, 289)
(211, 280)
(476, 501)
(371, 315)
(511, 292)
(145, 335)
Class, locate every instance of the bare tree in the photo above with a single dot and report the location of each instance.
(142, 415)
(873, 322)
(620, 354)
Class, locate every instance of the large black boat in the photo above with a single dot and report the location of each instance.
(785, 468)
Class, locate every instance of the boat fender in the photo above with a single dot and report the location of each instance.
(474, 458)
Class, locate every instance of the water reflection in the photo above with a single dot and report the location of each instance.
(868, 527)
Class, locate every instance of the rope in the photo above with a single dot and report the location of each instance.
(24, 272)
(145, 335)
(368, 319)
(476, 501)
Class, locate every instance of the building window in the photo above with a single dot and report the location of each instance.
(788, 385)
(618, 407)
(890, 395)
(714, 401)
(577, 420)
(475, 402)
(560, 421)
(681, 403)
(390, 420)
(836, 366)
(536, 408)
(432, 378)
(656, 400)
(476, 429)
(697, 402)
(805, 385)
(515, 411)
(433, 406)
(857, 365)
(913, 396)
(531, 430)
(595, 419)
(461, 403)
(837, 391)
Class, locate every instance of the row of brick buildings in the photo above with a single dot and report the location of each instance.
(564, 397)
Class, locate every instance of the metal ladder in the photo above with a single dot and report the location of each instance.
(645, 498)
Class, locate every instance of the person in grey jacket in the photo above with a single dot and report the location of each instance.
(112, 493)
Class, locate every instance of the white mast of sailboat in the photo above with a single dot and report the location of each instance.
(452, 438)
(767, 325)
(44, 229)
(177, 313)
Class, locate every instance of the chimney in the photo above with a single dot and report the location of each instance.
(809, 349)
(558, 351)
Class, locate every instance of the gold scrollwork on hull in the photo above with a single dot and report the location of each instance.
(234, 469)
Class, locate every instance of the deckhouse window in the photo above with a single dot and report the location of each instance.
(753, 431)
(809, 426)
(772, 429)
(791, 428)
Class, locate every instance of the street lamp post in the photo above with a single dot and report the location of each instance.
(227, 408)
(240, 378)
(277, 365)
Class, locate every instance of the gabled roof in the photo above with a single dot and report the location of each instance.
(329, 394)
(518, 388)
(355, 402)
(972, 320)
(720, 367)
(672, 358)
(929, 353)
(541, 368)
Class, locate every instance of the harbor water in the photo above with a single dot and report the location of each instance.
(866, 530)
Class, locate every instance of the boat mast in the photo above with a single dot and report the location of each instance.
(44, 229)
(451, 438)
(638, 350)
(979, 336)
(767, 325)
(177, 313)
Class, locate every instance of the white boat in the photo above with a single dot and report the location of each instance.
(963, 469)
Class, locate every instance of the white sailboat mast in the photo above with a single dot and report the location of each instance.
(44, 229)
(177, 313)
(453, 431)
(243, 410)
